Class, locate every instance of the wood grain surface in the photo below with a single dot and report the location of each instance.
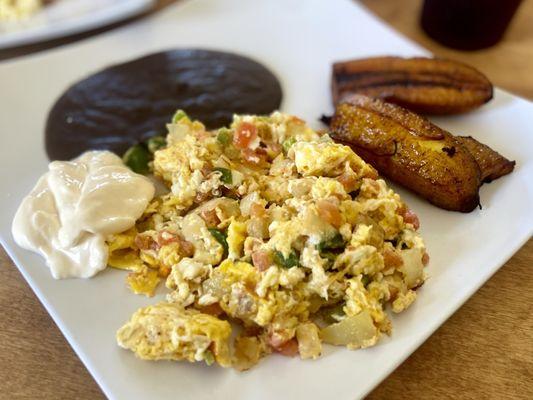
(484, 351)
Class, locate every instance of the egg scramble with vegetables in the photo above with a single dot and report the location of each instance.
(271, 238)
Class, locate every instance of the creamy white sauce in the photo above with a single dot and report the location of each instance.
(75, 206)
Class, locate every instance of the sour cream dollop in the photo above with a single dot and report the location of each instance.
(75, 206)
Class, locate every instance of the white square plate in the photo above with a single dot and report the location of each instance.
(67, 17)
(298, 40)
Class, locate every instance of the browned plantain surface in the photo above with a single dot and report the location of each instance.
(491, 163)
(410, 150)
(424, 85)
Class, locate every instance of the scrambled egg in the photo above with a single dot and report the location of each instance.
(168, 332)
(277, 228)
(14, 10)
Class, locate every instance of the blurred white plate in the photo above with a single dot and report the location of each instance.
(67, 17)
(298, 40)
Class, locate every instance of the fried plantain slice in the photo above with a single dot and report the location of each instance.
(491, 163)
(420, 84)
(410, 150)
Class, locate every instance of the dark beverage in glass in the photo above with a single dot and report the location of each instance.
(467, 24)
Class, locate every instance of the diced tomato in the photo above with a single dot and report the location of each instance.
(261, 259)
(410, 217)
(206, 170)
(402, 209)
(289, 348)
(392, 259)
(164, 271)
(329, 212)
(252, 330)
(348, 179)
(144, 242)
(201, 197)
(282, 342)
(212, 309)
(244, 135)
(276, 340)
(186, 247)
(256, 157)
(425, 258)
(166, 237)
(210, 217)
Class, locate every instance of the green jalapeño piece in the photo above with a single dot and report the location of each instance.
(137, 158)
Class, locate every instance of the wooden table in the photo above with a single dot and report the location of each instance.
(485, 350)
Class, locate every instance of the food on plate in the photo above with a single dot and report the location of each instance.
(75, 206)
(492, 164)
(274, 227)
(167, 331)
(15, 10)
(410, 150)
(130, 102)
(420, 84)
